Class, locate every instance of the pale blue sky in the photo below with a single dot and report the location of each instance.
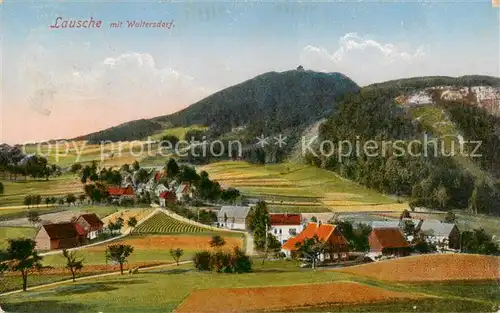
(54, 75)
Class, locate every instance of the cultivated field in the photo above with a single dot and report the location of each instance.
(15, 191)
(163, 290)
(300, 188)
(286, 297)
(7, 233)
(161, 223)
(435, 267)
(178, 132)
(185, 242)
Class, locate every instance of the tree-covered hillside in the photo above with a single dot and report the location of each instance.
(269, 103)
(433, 179)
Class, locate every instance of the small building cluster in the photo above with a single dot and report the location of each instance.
(67, 235)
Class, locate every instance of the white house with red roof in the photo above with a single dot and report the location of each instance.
(285, 226)
(121, 192)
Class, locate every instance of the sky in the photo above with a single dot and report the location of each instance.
(66, 82)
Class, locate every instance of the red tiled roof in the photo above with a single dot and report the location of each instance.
(167, 195)
(382, 238)
(285, 219)
(118, 191)
(93, 220)
(323, 231)
(63, 230)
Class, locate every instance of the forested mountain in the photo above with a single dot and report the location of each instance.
(435, 178)
(134, 130)
(269, 103)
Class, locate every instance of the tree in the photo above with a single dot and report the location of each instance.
(2, 188)
(75, 167)
(478, 241)
(136, 166)
(125, 168)
(230, 195)
(132, 221)
(176, 254)
(28, 200)
(194, 135)
(187, 174)
(273, 246)
(36, 200)
(72, 264)
(409, 228)
(422, 245)
(311, 249)
(314, 219)
(23, 258)
(172, 168)
(70, 198)
(142, 175)
(169, 140)
(82, 198)
(357, 237)
(405, 214)
(119, 254)
(450, 217)
(217, 242)
(33, 217)
(260, 222)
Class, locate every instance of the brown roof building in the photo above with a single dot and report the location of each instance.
(59, 236)
(388, 240)
(91, 223)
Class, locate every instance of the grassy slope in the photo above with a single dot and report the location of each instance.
(141, 292)
(14, 232)
(437, 122)
(15, 191)
(178, 132)
(302, 188)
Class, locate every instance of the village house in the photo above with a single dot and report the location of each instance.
(121, 192)
(233, 217)
(285, 226)
(337, 245)
(443, 235)
(167, 197)
(91, 223)
(60, 236)
(182, 191)
(384, 224)
(388, 241)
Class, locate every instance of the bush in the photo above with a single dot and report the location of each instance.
(223, 262)
(242, 262)
(201, 260)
